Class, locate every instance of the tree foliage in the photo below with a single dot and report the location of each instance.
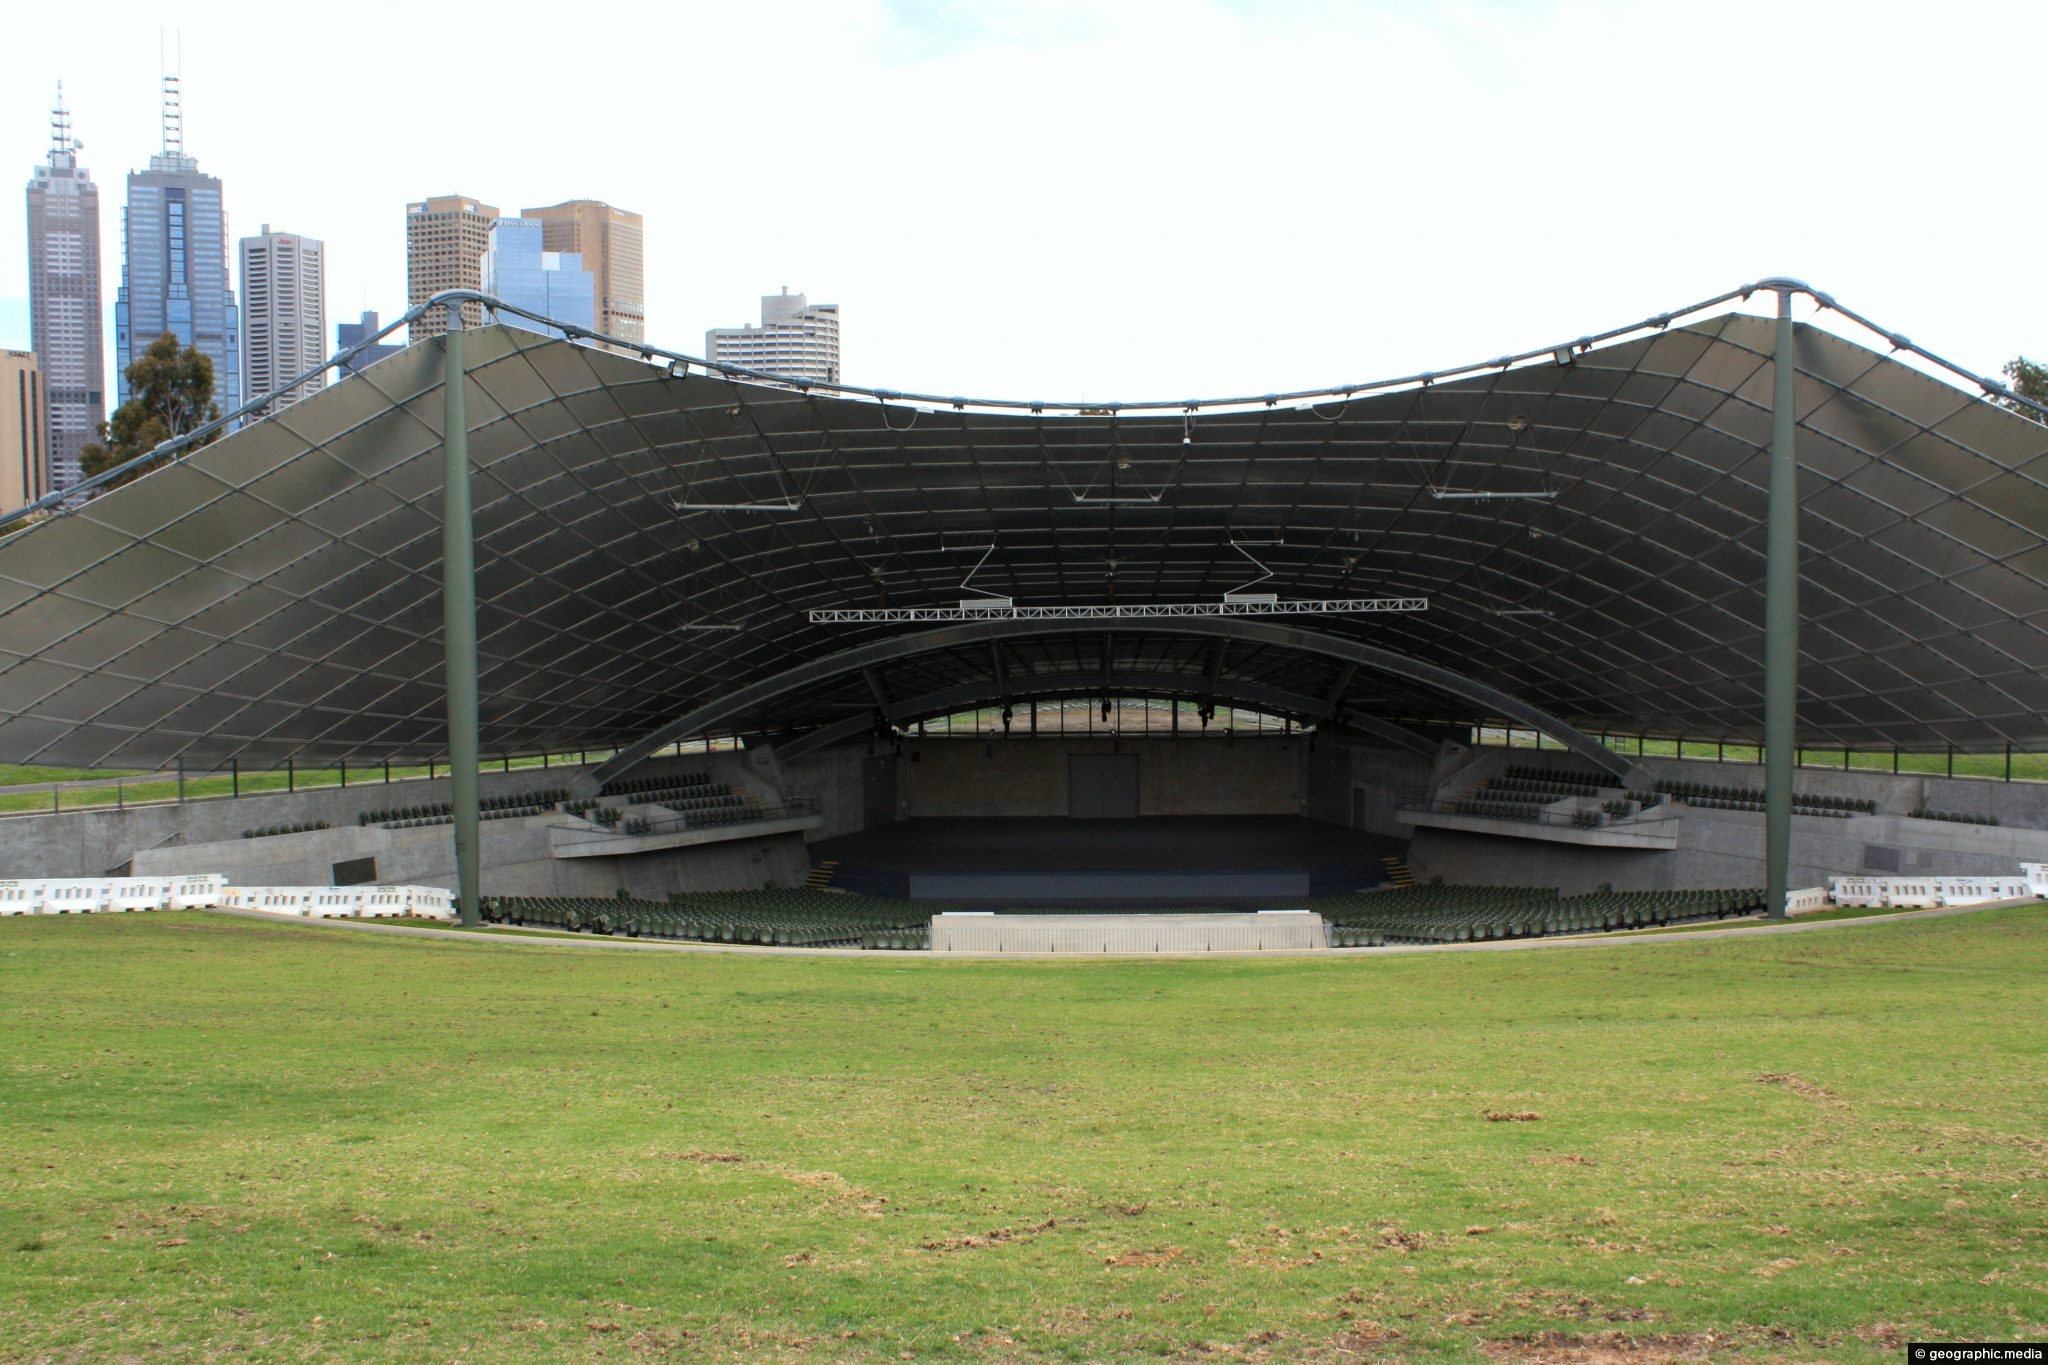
(172, 392)
(2029, 379)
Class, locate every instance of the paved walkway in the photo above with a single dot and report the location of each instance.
(1620, 938)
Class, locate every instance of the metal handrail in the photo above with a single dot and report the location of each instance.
(789, 808)
(1559, 819)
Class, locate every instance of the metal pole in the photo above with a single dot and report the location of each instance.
(458, 617)
(1781, 622)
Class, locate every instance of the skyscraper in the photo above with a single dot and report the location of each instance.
(284, 314)
(64, 299)
(445, 240)
(519, 271)
(24, 457)
(610, 242)
(347, 334)
(174, 268)
(794, 339)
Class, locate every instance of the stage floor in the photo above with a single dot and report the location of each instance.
(1221, 859)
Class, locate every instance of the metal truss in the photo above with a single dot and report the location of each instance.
(1326, 606)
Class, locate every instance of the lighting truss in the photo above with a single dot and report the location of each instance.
(1331, 606)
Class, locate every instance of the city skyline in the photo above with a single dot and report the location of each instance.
(1289, 194)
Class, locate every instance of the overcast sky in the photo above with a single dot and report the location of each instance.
(1038, 198)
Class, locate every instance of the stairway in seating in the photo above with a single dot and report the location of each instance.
(1398, 873)
(821, 874)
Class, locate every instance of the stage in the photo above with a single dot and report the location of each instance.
(1233, 862)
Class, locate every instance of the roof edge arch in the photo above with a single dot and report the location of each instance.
(811, 672)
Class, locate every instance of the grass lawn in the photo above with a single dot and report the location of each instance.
(228, 1138)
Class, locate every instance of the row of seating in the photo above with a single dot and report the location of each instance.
(1495, 809)
(688, 805)
(448, 817)
(1549, 789)
(644, 789)
(1543, 772)
(270, 831)
(1953, 817)
(1441, 914)
(806, 918)
(491, 807)
(1752, 798)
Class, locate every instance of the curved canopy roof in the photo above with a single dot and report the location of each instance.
(1588, 535)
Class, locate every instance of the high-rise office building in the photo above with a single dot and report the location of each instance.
(445, 241)
(174, 266)
(64, 299)
(24, 449)
(518, 270)
(610, 242)
(284, 314)
(796, 339)
(347, 334)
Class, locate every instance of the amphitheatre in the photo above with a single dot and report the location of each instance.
(1075, 857)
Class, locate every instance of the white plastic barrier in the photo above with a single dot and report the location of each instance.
(284, 900)
(74, 898)
(385, 902)
(138, 893)
(1806, 900)
(1913, 893)
(1978, 890)
(96, 895)
(194, 893)
(334, 902)
(430, 902)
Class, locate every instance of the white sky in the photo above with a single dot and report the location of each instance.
(1142, 199)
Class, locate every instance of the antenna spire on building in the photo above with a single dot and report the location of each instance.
(174, 101)
(62, 143)
(174, 118)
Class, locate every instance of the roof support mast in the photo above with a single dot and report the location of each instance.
(1781, 614)
(458, 618)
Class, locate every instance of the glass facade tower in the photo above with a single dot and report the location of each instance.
(174, 266)
(554, 284)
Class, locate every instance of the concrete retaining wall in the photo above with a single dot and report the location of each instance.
(205, 836)
(834, 776)
(1726, 848)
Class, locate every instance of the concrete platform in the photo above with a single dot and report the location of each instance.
(1128, 935)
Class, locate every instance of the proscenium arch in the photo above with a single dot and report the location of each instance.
(814, 671)
(1039, 685)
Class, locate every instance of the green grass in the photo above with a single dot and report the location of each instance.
(225, 1138)
(250, 783)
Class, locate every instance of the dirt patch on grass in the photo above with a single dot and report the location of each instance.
(1602, 1348)
(1513, 1116)
(993, 1237)
(1565, 1159)
(1155, 1256)
(1798, 1085)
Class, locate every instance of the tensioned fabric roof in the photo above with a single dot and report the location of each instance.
(277, 593)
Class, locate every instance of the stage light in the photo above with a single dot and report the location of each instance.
(1563, 355)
